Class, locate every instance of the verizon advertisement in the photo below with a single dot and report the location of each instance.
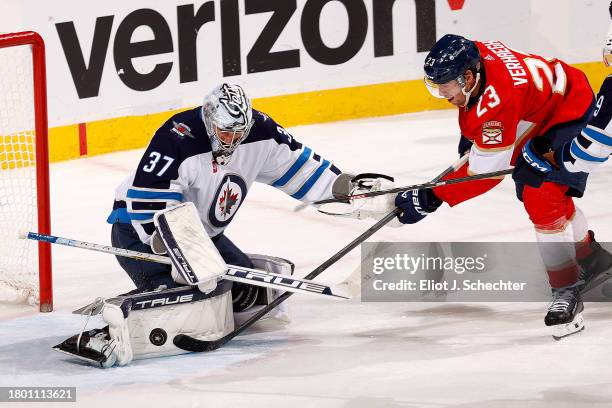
(119, 58)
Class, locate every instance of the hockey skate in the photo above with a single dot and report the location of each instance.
(565, 312)
(93, 346)
(596, 268)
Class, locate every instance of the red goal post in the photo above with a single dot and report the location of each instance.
(16, 155)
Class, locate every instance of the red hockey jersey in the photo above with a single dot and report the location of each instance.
(522, 96)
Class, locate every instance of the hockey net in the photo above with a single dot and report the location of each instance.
(25, 266)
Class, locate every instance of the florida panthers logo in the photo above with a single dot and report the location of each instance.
(228, 198)
(492, 133)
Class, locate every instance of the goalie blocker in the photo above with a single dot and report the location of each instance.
(144, 325)
(195, 258)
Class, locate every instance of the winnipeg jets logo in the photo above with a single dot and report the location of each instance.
(229, 196)
(235, 102)
(227, 201)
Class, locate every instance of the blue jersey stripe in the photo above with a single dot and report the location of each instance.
(154, 195)
(119, 215)
(581, 154)
(140, 216)
(598, 136)
(311, 181)
(294, 168)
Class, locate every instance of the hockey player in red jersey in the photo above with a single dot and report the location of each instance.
(505, 98)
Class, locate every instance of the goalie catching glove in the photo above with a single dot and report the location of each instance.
(373, 207)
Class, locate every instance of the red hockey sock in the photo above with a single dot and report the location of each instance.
(583, 247)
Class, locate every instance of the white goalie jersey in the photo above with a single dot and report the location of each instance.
(178, 166)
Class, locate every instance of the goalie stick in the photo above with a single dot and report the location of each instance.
(234, 273)
(189, 343)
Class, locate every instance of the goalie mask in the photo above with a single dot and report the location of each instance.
(228, 118)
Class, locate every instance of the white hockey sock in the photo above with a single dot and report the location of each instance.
(580, 226)
(582, 238)
(556, 247)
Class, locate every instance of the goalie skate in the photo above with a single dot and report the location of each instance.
(93, 346)
(564, 315)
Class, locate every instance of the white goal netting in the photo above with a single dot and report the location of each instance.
(18, 201)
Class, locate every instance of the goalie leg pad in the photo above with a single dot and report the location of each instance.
(144, 325)
(154, 321)
(265, 296)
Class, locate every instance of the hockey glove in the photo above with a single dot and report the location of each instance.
(465, 145)
(373, 207)
(348, 184)
(416, 205)
(534, 163)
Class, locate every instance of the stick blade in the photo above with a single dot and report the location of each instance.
(189, 343)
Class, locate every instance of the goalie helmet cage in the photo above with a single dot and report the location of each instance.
(25, 268)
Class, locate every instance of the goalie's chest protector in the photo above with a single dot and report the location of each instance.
(219, 191)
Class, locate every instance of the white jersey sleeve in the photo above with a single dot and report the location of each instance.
(295, 168)
(593, 146)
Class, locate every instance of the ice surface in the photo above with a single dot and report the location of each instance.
(334, 354)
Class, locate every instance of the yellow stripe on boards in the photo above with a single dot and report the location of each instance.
(64, 142)
(392, 98)
(596, 72)
(130, 132)
(350, 103)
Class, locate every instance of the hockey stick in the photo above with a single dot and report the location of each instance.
(189, 343)
(234, 273)
(453, 167)
(431, 184)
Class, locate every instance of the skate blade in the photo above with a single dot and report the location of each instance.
(91, 361)
(560, 331)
